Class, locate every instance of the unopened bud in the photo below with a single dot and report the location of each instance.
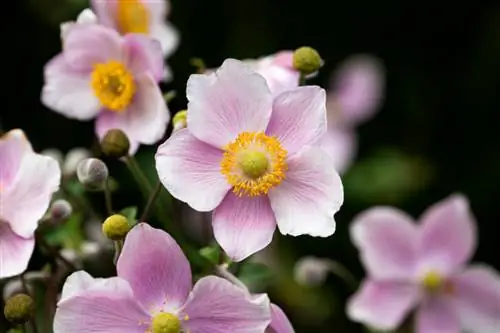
(115, 143)
(60, 210)
(307, 60)
(92, 173)
(19, 308)
(311, 271)
(116, 227)
(180, 120)
(73, 158)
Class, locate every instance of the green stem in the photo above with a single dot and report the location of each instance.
(107, 198)
(31, 322)
(139, 176)
(151, 201)
(118, 250)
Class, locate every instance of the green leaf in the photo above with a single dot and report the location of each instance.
(130, 213)
(68, 235)
(211, 253)
(255, 275)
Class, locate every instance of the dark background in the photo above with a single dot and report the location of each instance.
(440, 116)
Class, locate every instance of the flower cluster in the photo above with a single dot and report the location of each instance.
(259, 148)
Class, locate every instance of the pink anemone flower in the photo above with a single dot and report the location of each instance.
(252, 157)
(27, 182)
(423, 266)
(103, 75)
(152, 293)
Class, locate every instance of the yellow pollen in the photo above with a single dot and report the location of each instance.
(165, 322)
(434, 283)
(113, 85)
(132, 17)
(254, 163)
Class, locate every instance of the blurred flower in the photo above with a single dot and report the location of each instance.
(88, 250)
(279, 321)
(423, 266)
(102, 74)
(152, 293)
(27, 182)
(356, 92)
(311, 271)
(92, 173)
(60, 210)
(55, 154)
(256, 169)
(73, 158)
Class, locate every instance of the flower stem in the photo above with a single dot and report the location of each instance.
(32, 321)
(139, 176)
(107, 198)
(151, 201)
(223, 272)
(118, 250)
(342, 272)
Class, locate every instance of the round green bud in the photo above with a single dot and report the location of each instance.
(307, 60)
(180, 120)
(116, 227)
(115, 143)
(165, 322)
(19, 308)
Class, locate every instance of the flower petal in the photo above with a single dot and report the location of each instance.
(341, 144)
(15, 252)
(223, 104)
(387, 239)
(382, 305)
(110, 311)
(218, 306)
(86, 16)
(27, 199)
(154, 265)
(279, 321)
(243, 225)
(91, 44)
(13, 146)
(448, 234)
(299, 117)
(312, 192)
(144, 121)
(278, 72)
(143, 55)
(437, 315)
(68, 91)
(190, 171)
(167, 35)
(105, 11)
(477, 293)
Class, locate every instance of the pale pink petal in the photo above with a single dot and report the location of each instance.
(341, 144)
(437, 315)
(218, 306)
(243, 225)
(154, 265)
(279, 75)
(387, 240)
(68, 91)
(143, 55)
(86, 16)
(382, 305)
(92, 44)
(27, 199)
(477, 293)
(113, 311)
(359, 87)
(309, 196)
(190, 170)
(105, 11)
(284, 59)
(13, 146)
(448, 235)
(299, 117)
(145, 120)
(167, 35)
(15, 252)
(223, 104)
(279, 321)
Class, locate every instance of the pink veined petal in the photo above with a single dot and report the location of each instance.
(114, 311)
(448, 237)
(143, 55)
(91, 44)
(243, 225)
(359, 87)
(298, 118)
(309, 196)
(190, 170)
(387, 240)
(279, 321)
(68, 91)
(155, 267)
(15, 252)
(27, 199)
(217, 306)
(167, 35)
(341, 144)
(223, 104)
(382, 305)
(145, 120)
(437, 315)
(13, 146)
(477, 294)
